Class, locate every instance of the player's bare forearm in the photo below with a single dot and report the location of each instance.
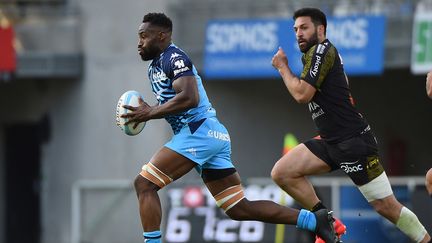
(300, 90)
(297, 88)
(429, 84)
(186, 97)
(292, 82)
(181, 102)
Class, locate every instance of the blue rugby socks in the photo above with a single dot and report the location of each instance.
(306, 220)
(152, 237)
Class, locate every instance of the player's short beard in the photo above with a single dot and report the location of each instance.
(149, 53)
(311, 42)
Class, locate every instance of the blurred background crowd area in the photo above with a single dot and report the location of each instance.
(33, 20)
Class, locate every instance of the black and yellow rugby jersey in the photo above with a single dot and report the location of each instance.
(332, 108)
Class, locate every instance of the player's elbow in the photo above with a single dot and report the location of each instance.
(193, 104)
(192, 101)
(302, 98)
(195, 100)
(187, 99)
(429, 92)
(302, 94)
(302, 101)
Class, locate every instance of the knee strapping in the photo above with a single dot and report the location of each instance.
(410, 225)
(153, 174)
(229, 197)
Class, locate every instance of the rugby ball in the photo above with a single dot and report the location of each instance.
(131, 98)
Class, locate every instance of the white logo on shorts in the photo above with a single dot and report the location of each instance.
(350, 167)
(219, 135)
(192, 151)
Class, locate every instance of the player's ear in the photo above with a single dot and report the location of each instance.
(321, 30)
(163, 35)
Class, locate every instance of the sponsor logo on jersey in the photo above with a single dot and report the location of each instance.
(313, 106)
(315, 115)
(180, 67)
(174, 55)
(351, 167)
(320, 49)
(179, 63)
(158, 77)
(315, 109)
(314, 71)
(219, 135)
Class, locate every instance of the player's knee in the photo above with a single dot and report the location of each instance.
(277, 175)
(233, 202)
(280, 175)
(142, 185)
(151, 178)
(428, 181)
(239, 211)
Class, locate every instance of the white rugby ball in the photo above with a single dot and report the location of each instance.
(128, 98)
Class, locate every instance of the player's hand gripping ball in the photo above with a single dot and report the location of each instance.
(131, 98)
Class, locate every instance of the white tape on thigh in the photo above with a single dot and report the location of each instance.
(153, 174)
(229, 197)
(378, 188)
(410, 225)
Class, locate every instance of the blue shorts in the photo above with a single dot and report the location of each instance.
(206, 142)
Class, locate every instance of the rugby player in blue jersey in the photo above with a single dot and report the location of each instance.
(347, 141)
(200, 141)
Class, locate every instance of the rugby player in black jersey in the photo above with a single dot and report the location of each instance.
(346, 139)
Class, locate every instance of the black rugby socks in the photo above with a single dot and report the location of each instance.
(318, 206)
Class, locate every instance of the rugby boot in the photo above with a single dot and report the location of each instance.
(340, 229)
(324, 226)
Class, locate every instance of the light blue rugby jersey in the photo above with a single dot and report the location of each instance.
(163, 71)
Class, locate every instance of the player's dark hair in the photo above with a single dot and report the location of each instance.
(158, 19)
(317, 16)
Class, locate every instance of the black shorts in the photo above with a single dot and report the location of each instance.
(357, 156)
